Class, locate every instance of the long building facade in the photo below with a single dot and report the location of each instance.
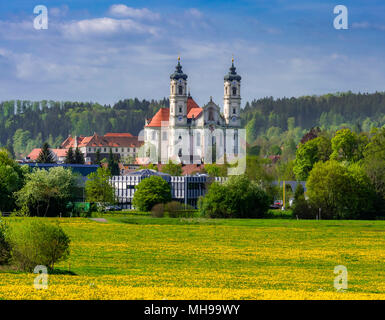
(185, 189)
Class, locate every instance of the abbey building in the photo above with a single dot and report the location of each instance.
(188, 133)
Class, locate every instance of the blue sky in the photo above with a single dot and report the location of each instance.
(104, 50)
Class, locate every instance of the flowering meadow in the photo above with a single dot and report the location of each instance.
(153, 258)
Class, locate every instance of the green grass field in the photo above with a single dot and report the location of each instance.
(139, 257)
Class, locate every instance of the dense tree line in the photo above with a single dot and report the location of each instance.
(25, 125)
(345, 175)
(327, 111)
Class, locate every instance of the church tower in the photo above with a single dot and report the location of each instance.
(178, 97)
(232, 97)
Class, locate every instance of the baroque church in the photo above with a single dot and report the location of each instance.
(189, 134)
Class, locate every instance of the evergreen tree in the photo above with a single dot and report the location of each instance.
(70, 156)
(79, 157)
(97, 157)
(45, 155)
(113, 165)
(10, 149)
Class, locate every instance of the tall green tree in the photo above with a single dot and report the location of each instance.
(79, 157)
(348, 146)
(98, 188)
(340, 192)
(151, 191)
(45, 155)
(11, 180)
(113, 164)
(47, 192)
(97, 157)
(374, 165)
(308, 154)
(70, 158)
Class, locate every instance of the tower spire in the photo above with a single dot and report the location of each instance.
(232, 96)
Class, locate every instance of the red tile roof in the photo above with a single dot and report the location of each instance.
(70, 142)
(60, 152)
(194, 113)
(116, 134)
(191, 104)
(163, 114)
(34, 154)
(108, 140)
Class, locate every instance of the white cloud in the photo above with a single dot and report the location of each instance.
(123, 11)
(105, 26)
(105, 59)
(195, 13)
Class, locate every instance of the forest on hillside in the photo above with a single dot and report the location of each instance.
(25, 125)
(272, 125)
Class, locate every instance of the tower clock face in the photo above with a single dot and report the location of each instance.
(234, 118)
(180, 118)
(234, 83)
(180, 81)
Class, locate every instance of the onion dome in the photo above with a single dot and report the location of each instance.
(178, 74)
(232, 75)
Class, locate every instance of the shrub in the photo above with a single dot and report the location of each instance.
(151, 191)
(5, 247)
(46, 193)
(38, 243)
(302, 210)
(173, 209)
(301, 207)
(157, 211)
(176, 209)
(237, 198)
(341, 192)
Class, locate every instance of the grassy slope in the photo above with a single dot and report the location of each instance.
(143, 257)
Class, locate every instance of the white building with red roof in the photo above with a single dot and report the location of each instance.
(188, 133)
(122, 145)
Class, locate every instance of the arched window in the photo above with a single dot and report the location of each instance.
(234, 91)
(180, 109)
(180, 90)
(233, 110)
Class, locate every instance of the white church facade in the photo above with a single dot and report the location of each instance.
(190, 134)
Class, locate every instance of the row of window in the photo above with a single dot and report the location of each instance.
(118, 150)
(198, 137)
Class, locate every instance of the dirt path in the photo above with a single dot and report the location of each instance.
(98, 219)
